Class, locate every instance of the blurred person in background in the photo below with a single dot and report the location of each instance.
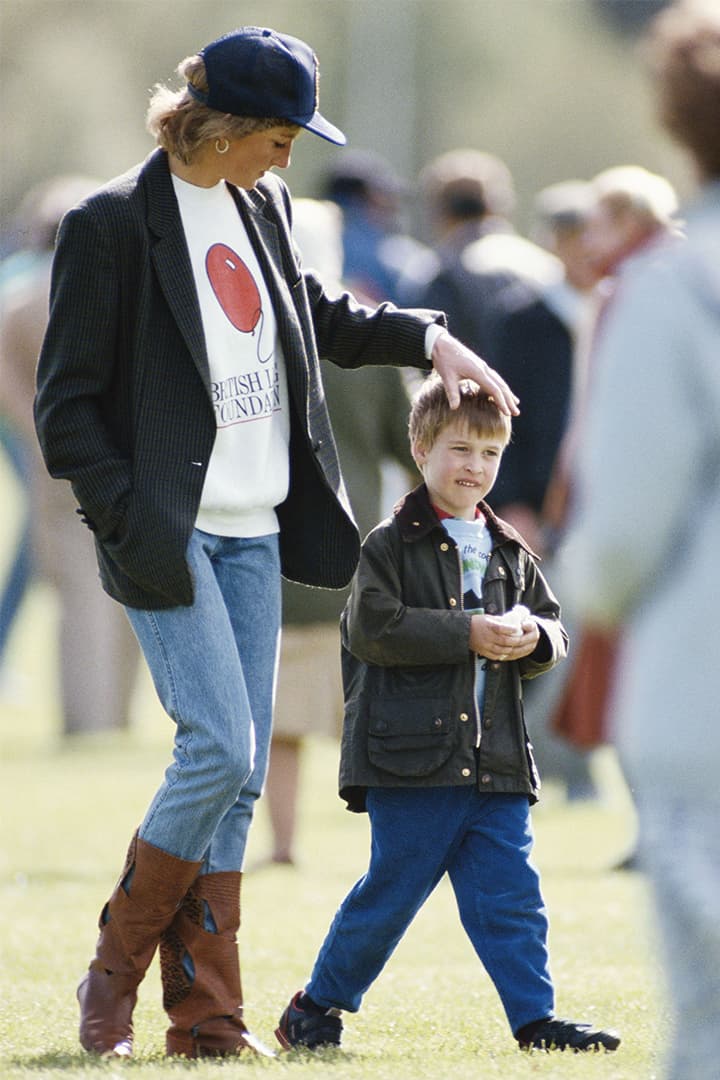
(309, 698)
(647, 534)
(98, 652)
(376, 246)
(536, 333)
(179, 392)
(633, 217)
(32, 237)
(469, 197)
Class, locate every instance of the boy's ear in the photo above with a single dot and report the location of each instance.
(419, 453)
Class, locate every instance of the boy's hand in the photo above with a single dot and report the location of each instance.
(495, 638)
(454, 362)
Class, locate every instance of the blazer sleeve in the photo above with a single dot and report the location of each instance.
(352, 335)
(76, 371)
(346, 332)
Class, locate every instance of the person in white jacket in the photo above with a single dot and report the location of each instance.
(643, 551)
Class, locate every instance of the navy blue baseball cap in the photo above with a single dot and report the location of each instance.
(254, 71)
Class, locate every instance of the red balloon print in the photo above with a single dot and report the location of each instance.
(234, 287)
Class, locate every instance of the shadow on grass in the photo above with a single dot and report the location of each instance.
(60, 1060)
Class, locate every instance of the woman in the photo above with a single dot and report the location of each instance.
(179, 392)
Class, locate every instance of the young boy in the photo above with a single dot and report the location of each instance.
(448, 612)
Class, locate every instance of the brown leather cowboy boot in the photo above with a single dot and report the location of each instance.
(142, 905)
(200, 970)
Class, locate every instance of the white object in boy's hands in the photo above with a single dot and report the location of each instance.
(515, 618)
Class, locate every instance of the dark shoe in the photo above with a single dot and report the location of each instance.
(306, 1024)
(554, 1034)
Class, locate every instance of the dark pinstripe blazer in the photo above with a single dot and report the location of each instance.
(123, 405)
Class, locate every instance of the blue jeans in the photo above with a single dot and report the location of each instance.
(213, 665)
(483, 842)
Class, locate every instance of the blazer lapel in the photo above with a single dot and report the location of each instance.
(172, 261)
(279, 267)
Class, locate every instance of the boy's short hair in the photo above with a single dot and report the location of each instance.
(431, 412)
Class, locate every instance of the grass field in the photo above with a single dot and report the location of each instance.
(67, 812)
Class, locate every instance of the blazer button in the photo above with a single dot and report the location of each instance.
(464, 717)
(452, 602)
(465, 772)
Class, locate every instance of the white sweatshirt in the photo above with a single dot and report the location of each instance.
(248, 472)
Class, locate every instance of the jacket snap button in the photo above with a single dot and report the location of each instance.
(437, 721)
(464, 717)
(452, 602)
(466, 772)
(501, 571)
(444, 546)
(486, 778)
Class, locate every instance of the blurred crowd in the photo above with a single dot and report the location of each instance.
(529, 305)
(552, 312)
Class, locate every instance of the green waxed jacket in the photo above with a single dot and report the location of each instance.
(411, 718)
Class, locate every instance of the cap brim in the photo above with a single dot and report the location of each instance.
(318, 125)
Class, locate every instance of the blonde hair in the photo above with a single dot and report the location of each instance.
(431, 413)
(181, 125)
(633, 189)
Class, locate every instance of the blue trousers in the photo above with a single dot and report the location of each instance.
(214, 666)
(483, 843)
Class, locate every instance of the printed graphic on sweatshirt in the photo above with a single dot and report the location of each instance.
(236, 292)
(254, 394)
(474, 545)
(474, 565)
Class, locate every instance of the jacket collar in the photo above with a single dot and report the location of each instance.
(416, 519)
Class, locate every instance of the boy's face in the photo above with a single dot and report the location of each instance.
(460, 468)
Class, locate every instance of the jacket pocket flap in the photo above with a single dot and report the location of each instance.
(409, 737)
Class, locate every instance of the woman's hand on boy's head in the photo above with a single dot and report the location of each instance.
(495, 639)
(454, 362)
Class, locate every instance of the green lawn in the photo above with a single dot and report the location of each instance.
(67, 812)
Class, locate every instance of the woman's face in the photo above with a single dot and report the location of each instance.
(250, 157)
